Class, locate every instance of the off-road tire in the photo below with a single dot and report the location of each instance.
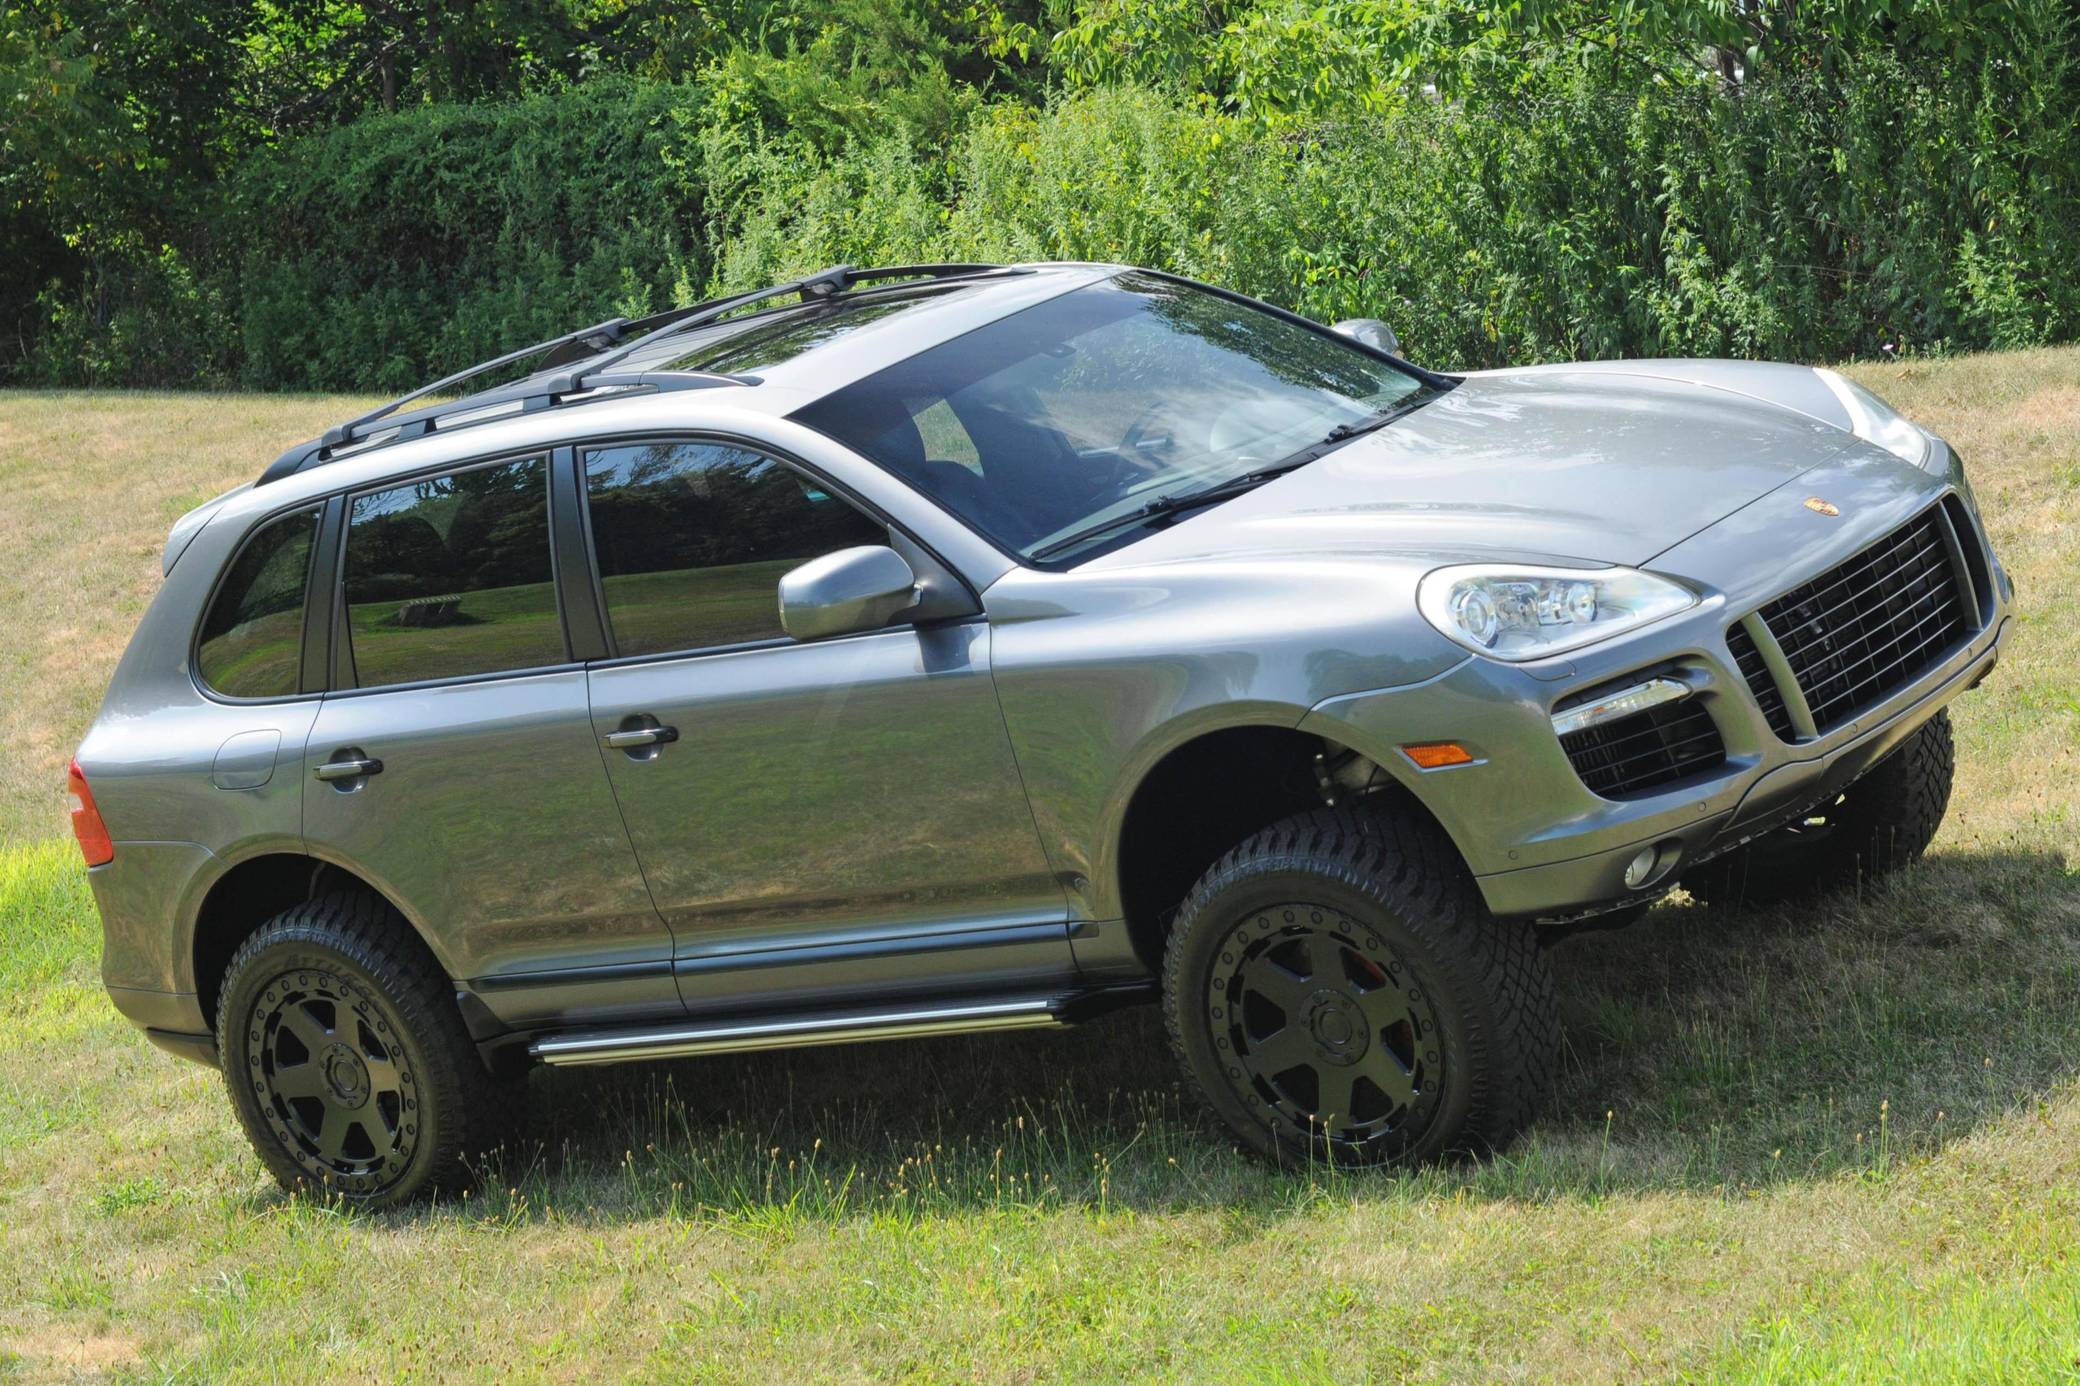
(1882, 822)
(1391, 925)
(394, 1062)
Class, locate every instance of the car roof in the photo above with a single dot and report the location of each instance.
(784, 357)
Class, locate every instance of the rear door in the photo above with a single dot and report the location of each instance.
(454, 763)
(842, 814)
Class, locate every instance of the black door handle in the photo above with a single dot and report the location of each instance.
(352, 769)
(634, 737)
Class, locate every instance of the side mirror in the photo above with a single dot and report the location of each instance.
(1372, 332)
(850, 590)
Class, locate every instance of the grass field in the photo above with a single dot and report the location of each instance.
(1838, 1142)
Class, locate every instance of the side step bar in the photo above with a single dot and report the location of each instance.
(737, 1035)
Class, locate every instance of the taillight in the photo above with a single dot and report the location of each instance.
(94, 842)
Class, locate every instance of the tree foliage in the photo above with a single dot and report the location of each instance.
(324, 194)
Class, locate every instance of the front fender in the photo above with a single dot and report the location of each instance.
(1103, 674)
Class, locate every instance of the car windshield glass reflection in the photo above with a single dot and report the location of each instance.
(1055, 419)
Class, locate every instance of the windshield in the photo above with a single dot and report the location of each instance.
(1084, 409)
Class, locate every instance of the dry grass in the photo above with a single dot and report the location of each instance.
(1840, 1142)
(89, 485)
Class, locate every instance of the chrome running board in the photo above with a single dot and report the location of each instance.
(800, 1031)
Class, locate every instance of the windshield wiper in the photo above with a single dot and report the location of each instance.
(1225, 490)
(1344, 432)
(1171, 505)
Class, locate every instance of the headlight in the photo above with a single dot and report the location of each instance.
(1529, 613)
(1875, 421)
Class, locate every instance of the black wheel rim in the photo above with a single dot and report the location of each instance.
(334, 1083)
(1318, 1021)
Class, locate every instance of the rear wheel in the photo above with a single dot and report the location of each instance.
(346, 1059)
(1877, 825)
(1337, 991)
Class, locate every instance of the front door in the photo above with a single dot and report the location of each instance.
(457, 766)
(843, 815)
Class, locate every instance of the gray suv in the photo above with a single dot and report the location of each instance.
(959, 648)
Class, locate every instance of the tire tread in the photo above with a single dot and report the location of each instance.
(1411, 870)
(476, 1107)
(1886, 821)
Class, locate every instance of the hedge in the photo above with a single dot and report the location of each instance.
(1812, 216)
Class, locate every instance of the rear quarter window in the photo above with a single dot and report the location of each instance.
(251, 641)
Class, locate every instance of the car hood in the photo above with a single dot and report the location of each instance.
(1593, 465)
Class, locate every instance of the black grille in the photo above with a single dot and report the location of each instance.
(1634, 754)
(1760, 682)
(1861, 631)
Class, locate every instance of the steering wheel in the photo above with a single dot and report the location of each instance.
(1130, 441)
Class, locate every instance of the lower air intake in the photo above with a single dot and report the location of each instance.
(1635, 754)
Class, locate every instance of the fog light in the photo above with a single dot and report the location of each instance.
(1641, 867)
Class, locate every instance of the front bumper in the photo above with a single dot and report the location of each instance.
(1538, 841)
(1594, 883)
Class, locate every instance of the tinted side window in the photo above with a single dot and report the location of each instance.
(693, 539)
(450, 576)
(251, 645)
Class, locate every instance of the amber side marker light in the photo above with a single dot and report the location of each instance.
(1436, 755)
(94, 842)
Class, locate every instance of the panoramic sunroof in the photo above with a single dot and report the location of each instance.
(763, 340)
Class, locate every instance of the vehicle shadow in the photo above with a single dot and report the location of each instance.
(1706, 1049)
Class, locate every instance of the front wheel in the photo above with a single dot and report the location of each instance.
(1877, 825)
(1337, 991)
(347, 1061)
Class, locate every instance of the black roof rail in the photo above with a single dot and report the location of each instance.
(822, 284)
(530, 395)
(618, 338)
(342, 435)
(605, 333)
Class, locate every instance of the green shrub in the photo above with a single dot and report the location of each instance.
(144, 316)
(1825, 210)
(1574, 219)
(399, 245)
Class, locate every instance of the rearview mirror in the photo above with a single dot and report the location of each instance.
(1372, 332)
(847, 591)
